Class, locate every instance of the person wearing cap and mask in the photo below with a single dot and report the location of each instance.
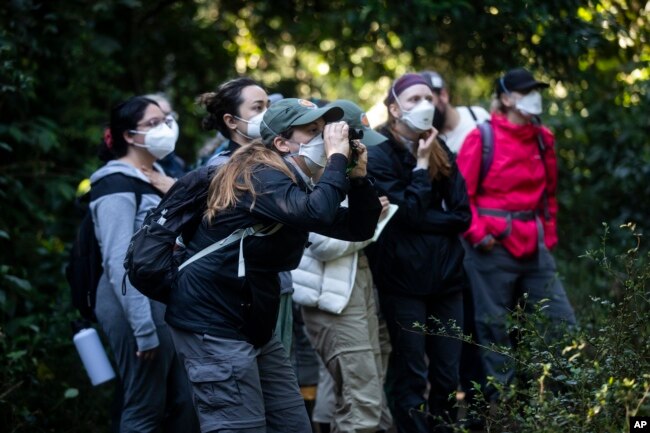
(514, 216)
(223, 310)
(153, 389)
(453, 123)
(334, 285)
(417, 261)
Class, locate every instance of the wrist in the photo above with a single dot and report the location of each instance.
(422, 163)
(335, 151)
(337, 155)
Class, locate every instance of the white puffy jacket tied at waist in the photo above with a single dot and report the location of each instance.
(325, 276)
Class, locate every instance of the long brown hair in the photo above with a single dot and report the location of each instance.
(439, 164)
(235, 177)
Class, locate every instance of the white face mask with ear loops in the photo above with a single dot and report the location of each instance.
(418, 118)
(253, 130)
(530, 103)
(160, 141)
(313, 152)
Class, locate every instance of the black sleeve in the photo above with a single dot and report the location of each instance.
(357, 222)
(457, 216)
(412, 196)
(282, 200)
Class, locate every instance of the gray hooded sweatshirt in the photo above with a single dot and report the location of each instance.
(116, 219)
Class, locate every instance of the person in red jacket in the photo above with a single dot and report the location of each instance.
(514, 209)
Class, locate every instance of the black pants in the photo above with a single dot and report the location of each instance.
(408, 369)
(471, 368)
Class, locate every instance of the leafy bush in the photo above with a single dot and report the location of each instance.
(593, 378)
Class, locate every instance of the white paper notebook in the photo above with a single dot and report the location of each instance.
(392, 208)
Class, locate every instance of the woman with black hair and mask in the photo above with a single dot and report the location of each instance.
(235, 109)
(155, 394)
(417, 263)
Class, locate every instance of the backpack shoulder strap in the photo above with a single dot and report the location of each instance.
(471, 112)
(236, 236)
(541, 145)
(487, 149)
(119, 182)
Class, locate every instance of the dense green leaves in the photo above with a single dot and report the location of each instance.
(596, 376)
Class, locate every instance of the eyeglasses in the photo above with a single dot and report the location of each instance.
(154, 122)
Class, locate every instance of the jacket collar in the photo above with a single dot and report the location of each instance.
(404, 154)
(522, 132)
(305, 180)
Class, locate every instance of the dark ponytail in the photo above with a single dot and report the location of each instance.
(226, 100)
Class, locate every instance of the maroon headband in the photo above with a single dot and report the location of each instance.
(403, 83)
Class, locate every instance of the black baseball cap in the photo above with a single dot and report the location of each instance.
(289, 112)
(518, 80)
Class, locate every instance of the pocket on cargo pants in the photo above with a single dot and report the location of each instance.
(214, 384)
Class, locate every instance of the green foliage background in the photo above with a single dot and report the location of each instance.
(65, 63)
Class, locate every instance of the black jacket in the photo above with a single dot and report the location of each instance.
(419, 252)
(209, 297)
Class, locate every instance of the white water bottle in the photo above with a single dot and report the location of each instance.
(93, 355)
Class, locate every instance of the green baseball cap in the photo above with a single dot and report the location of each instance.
(289, 112)
(356, 118)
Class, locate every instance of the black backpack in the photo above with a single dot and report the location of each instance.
(157, 252)
(153, 256)
(84, 268)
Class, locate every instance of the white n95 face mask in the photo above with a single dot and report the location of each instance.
(253, 129)
(530, 104)
(418, 118)
(173, 124)
(159, 141)
(313, 152)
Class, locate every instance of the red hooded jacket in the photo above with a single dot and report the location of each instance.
(516, 181)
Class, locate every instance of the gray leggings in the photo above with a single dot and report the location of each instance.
(155, 393)
(498, 280)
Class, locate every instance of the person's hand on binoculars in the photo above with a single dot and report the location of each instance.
(359, 170)
(335, 135)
